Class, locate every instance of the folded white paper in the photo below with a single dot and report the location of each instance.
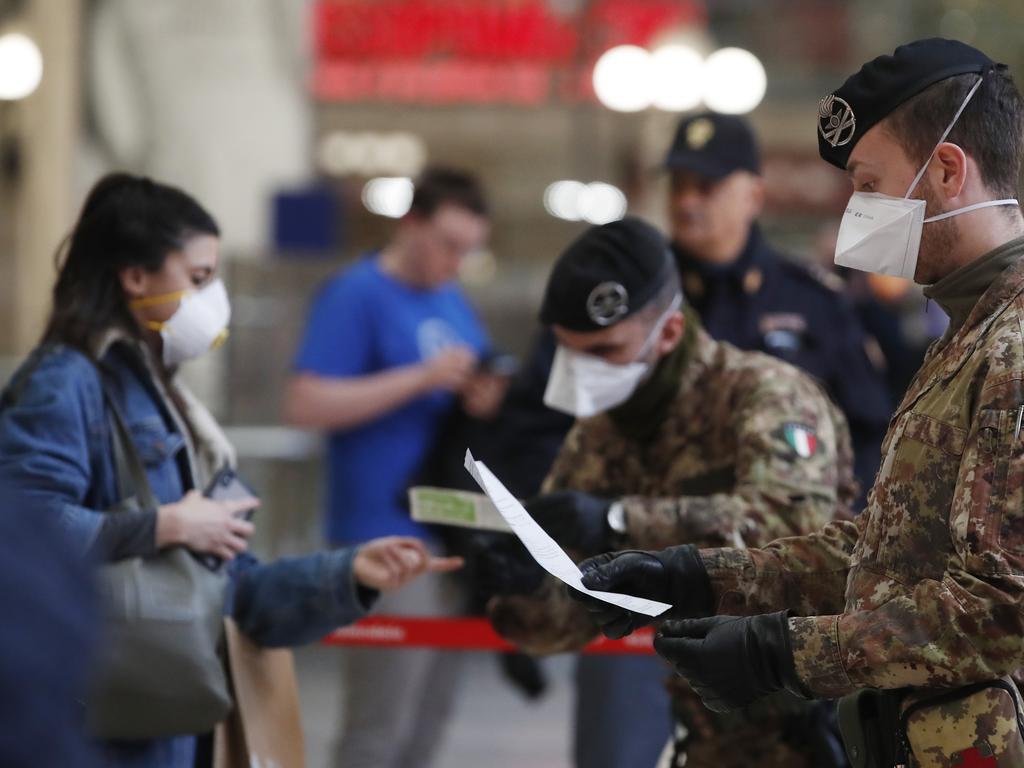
(545, 550)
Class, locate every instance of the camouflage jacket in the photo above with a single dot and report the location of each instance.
(926, 587)
(752, 449)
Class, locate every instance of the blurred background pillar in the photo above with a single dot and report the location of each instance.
(44, 130)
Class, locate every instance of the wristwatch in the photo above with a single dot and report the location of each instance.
(617, 520)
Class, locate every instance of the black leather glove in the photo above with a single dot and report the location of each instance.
(576, 520)
(730, 661)
(504, 567)
(676, 576)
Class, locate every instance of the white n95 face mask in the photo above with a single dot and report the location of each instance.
(583, 385)
(199, 324)
(881, 233)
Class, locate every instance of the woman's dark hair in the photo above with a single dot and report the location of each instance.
(126, 221)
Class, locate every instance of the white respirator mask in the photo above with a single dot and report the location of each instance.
(199, 324)
(882, 234)
(583, 385)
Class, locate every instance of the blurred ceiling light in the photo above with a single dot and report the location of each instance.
(624, 78)
(600, 203)
(342, 153)
(734, 81)
(388, 196)
(678, 72)
(21, 66)
(561, 199)
(363, 152)
(408, 154)
(595, 203)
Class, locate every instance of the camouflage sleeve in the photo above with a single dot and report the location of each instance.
(955, 628)
(792, 462)
(548, 620)
(805, 574)
(579, 463)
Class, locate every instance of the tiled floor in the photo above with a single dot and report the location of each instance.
(493, 726)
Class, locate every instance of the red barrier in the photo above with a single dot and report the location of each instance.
(460, 635)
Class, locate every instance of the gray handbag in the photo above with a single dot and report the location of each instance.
(161, 670)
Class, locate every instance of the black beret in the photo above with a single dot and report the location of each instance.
(607, 274)
(883, 84)
(713, 146)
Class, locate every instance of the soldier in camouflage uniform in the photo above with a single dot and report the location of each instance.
(715, 447)
(924, 592)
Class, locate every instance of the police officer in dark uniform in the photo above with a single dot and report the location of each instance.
(750, 295)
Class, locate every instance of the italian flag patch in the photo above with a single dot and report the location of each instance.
(801, 439)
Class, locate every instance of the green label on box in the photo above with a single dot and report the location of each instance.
(439, 505)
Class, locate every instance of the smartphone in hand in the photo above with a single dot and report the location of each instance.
(226, 485)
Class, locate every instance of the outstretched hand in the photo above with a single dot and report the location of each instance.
(389, 563)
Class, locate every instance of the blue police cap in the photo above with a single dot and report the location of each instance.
(606, 275)
(885, 83)
(713, 146)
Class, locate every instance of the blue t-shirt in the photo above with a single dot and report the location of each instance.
(365, 321)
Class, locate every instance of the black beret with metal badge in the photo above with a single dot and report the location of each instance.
(883, 84)
(606, 275)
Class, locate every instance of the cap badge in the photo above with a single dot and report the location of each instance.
(699, 133)
(836, 121)
(607, 303)
(753, 280)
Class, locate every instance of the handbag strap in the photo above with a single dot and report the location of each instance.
(131, 472)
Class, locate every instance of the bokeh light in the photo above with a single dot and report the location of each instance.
(21, 66)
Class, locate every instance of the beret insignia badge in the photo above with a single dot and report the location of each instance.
(836, 121)
(607, 303)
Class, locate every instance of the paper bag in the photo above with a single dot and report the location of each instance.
(265, 728)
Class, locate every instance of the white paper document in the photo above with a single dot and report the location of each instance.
(544, 549)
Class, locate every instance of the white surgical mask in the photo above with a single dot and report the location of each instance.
(199, 324)
(585, 385)
(881, 233)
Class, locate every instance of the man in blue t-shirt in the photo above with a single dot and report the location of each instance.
(391, 348)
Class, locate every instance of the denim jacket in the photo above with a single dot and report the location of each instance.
(55, 446)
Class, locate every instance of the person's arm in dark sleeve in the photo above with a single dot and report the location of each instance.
(125, 534)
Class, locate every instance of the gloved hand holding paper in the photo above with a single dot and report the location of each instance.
(544, 549)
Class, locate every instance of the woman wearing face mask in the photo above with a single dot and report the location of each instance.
(137, 295)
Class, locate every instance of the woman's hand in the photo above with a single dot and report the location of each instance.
(205, 526)
(392, 562)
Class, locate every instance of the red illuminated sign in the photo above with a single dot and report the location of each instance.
(483, 51)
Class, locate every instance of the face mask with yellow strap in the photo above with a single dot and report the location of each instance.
(199, 324)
